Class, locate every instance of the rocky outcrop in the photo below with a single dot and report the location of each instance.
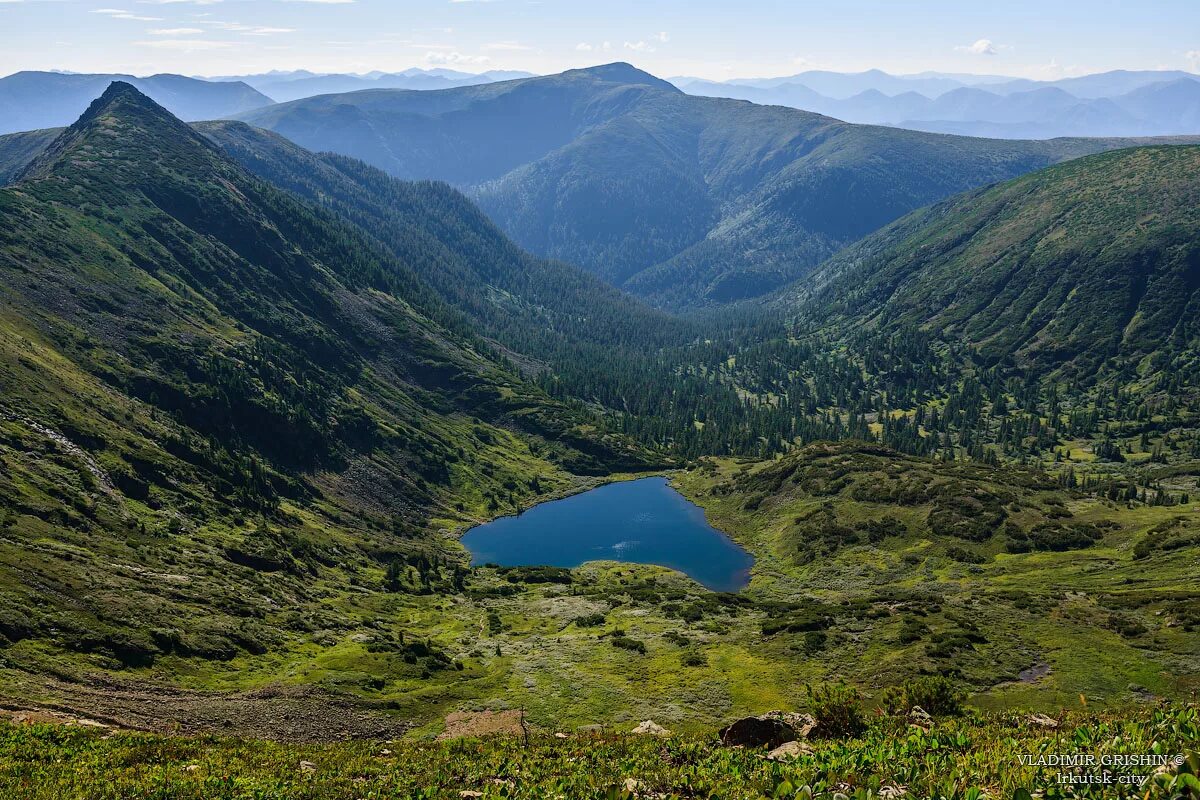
(767, 730)
(789, 751)
(650, 728)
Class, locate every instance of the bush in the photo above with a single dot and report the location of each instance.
(625, 643)
(589, 620)
(537, 574)
(935, 694)
(1126, 626)
(837, 710)
(911, 630)
(796, 617)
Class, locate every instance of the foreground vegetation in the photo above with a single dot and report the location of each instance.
(974, 757)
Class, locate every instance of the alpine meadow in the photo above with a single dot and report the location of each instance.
(500, 422)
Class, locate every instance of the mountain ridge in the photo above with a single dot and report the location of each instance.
(685, 201)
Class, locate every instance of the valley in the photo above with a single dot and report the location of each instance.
(301, 454)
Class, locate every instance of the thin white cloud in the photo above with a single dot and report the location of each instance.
(266, 31)
(117, 13)
(454, 57)
(175, 31)
(1194, 57)
(662, 36)
(245, 30)
(981, 47)
(639, 47)
(584, 47)
(185, 45)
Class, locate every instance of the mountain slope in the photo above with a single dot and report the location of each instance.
(1065, 269)
(683, 200)
(18, 149)
(30, 100)
(207, 379)
(531, 305)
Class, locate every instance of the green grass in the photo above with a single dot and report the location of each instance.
(973, 757)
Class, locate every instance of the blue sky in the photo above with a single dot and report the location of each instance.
(707, 38)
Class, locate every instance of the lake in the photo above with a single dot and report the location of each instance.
(640, 522)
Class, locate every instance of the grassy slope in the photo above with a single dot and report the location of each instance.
(1066, 268)
(986, 621)
(225, 415)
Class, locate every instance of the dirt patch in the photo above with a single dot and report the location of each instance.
(294, 714)
(1034, 673)
(461, 724)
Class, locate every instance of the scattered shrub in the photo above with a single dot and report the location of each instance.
(625, 643)
(935, 694)
(838, 711)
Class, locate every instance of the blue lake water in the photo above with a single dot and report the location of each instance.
(641, 522)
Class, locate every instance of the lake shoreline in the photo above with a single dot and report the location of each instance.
(641, 521)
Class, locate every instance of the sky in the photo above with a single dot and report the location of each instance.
(715, 39)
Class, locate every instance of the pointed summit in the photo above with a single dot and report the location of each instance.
(121, 128)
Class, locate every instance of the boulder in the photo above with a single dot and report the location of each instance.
(919, 717)
(767, 730)
(650, 728)
(1042, 721)
(789, 751)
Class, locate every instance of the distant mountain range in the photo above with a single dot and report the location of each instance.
(32, 100)
(1119, 103)
(285, 86)
(685, 201)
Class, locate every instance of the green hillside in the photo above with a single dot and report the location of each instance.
(543, 309)
(1087, 268)
(686, 201)
(220, 403)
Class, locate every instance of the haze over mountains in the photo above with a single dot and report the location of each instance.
(284, 86)
(32, 100)
(1118, 103)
